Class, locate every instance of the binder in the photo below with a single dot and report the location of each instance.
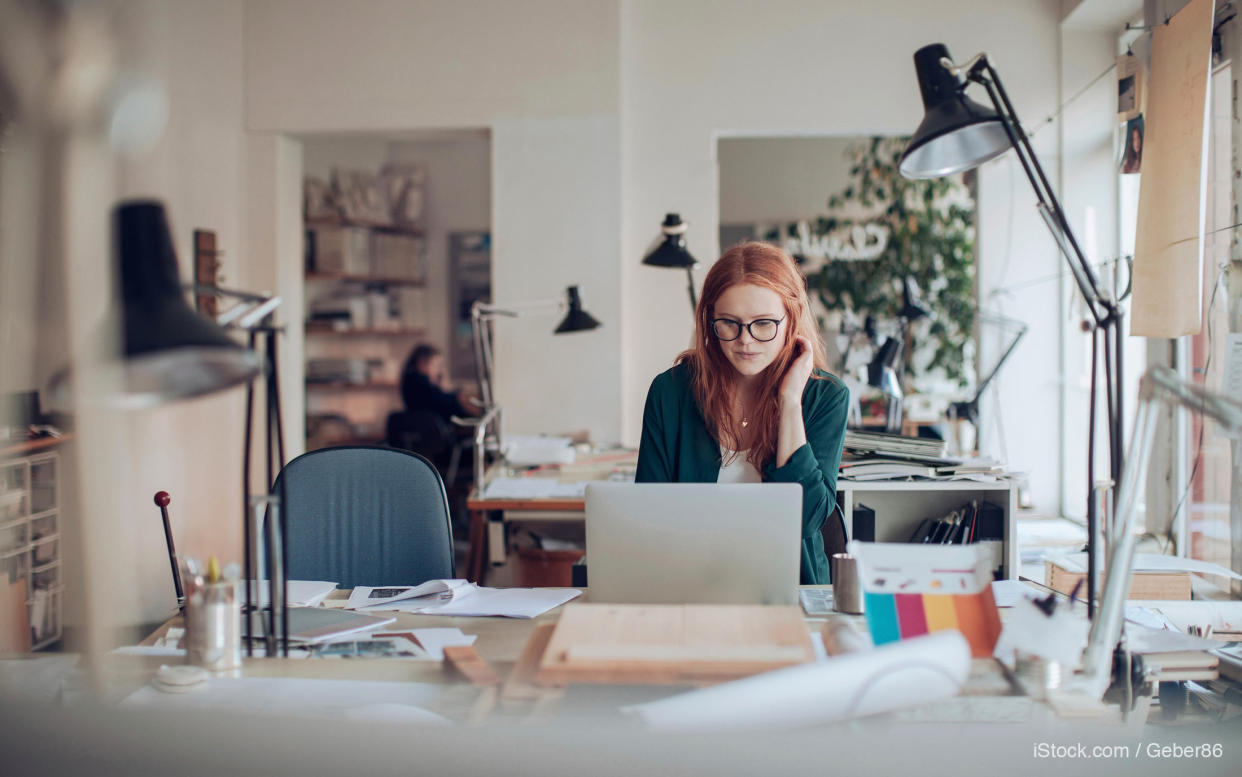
(864, 523)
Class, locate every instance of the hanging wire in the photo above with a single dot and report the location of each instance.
(1061, 108)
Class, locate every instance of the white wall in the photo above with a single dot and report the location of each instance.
(459, 199)
(779, 180)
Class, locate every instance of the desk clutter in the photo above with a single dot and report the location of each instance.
(871, 456)
(911, 591)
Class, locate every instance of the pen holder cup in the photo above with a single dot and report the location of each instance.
(213, 628)
(846, 594)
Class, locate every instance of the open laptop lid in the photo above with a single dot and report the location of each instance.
(693, 543)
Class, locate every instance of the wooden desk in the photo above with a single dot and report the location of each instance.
(487, 519)
(488, 515)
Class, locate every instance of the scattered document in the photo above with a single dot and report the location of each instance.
(459, 597)
(533, 450)
(533, 488)
(418, 597)
(508, 602)
(1007, 593)
(1148, 562)
(1231, 381)
(434, 641)
(302, 593)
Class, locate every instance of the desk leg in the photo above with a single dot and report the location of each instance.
(476, 562)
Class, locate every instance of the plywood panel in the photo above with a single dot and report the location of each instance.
(1168, 254)
(669, 643)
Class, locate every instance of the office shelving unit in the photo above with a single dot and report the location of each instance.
(30, 547)
(900, 506)
(365, 312)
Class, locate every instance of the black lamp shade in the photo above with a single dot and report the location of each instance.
(577, 319)
(957, 133)
(671, 252)
(167, 351)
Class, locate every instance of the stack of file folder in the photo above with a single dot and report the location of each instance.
(896, 446)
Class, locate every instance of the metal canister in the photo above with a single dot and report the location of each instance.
(212, 627)
(846, 592)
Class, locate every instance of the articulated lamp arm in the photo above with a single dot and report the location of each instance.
(1159, 385)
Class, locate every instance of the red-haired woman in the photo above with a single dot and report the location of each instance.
(751, 402)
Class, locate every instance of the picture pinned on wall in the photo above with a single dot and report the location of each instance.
(1130, 87)
(1132, 155)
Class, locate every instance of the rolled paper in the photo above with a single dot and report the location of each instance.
(901, 674)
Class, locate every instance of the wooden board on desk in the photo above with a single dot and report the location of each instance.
(672, 643)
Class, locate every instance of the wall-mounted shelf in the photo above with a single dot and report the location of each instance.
(30, 560)
(356, 278)
(393, 229)
(373, 386)
(319, 330)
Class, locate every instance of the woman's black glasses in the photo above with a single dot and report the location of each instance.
(762, 329)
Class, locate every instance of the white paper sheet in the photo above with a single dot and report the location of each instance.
(1148, 562)
(293, 696)
(434, 641)
(1007, 593)
(302, 593)
(1231, 380)
(507, 602)
(534, 488)
(900, 674)
(426, 594)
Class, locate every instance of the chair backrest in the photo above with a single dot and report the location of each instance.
(362, 515)
(421, 431)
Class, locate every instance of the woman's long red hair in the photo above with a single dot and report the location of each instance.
(714, 379)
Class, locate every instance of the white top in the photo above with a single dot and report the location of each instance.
(739, 470)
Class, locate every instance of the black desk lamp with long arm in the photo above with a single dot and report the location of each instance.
(958, 134)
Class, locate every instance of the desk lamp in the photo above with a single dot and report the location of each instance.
(1158, 385)
(167, 351)
(576, 319)
(671, 252)
(958, 134)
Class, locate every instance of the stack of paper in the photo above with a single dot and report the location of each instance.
(533, 488)
(460, 597)
(897, 445)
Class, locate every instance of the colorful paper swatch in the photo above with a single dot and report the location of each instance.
(906, 592)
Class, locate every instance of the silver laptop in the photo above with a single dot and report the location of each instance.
(693, 543)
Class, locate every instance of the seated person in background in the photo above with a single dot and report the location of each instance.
(750, 401)
(425, 385)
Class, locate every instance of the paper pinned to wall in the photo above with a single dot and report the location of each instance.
(1231, 382)
(1168, 249)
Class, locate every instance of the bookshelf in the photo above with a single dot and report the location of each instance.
(366, 309)
(900, 506)
(31, 579)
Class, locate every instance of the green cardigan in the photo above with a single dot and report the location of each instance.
(677, 448)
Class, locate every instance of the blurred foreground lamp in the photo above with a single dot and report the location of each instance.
(671, 252)
(576, 319)
(958, 134)
(1159, 385)
(167, 351)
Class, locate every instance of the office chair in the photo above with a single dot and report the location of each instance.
(363, 515)
(424, 432)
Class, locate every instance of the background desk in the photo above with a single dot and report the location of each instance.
(899, 506)
(487, 525)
